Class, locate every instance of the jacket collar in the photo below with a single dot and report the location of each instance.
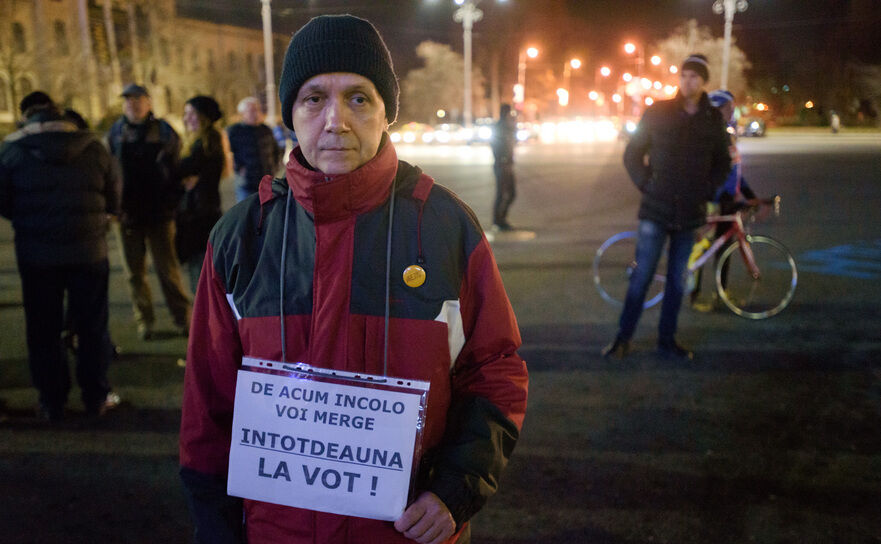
(703, 102)
(331, 198)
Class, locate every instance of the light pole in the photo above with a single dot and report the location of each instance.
(520, 88)
(572, 64)
(468, 14)
(268, 62)
(728, 8)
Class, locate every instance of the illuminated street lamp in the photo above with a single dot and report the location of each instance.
(520, 88)
(630, 48)
(656, 60)
(573, 64)
(728, 8)
(468, 14)
(268, 63)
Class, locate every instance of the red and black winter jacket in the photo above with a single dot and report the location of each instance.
(457, 331)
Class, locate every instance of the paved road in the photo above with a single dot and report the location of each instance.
(771, 436)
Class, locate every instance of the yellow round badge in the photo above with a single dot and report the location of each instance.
(414, 275)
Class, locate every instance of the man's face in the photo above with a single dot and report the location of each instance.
(339, 119)
(691, 84)
(252, 114)
(136, 108)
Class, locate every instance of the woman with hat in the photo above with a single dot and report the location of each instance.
(200, 170)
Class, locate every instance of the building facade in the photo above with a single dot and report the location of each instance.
(82, 52)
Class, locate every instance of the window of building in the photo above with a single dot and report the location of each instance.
(196, 65)
(249, 62)
(25, 87)
(233, 62)
(211, 66)
(18, 42)
(61, 46)
(4, 94)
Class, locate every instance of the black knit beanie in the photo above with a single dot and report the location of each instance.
(337, 43)
(698, 64)
(207, 106)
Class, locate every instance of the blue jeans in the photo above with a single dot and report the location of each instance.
(649, 244)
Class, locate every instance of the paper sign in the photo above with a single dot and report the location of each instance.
(326, 441)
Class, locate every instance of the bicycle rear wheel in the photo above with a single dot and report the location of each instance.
(764, 296)
(613, 265)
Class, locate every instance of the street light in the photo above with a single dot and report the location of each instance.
(630, 48)
(567, 74)
(728, 8)
(468, 14)
(520, 88)
(268, 63)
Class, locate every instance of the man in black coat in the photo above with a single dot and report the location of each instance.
(502, 144)
(148, 151)
(59, 185)
(687, 149)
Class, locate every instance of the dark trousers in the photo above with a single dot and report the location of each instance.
(43, 290)
(505, 191)
(649, 244)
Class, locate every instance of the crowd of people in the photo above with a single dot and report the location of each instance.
(64, 187)
(352, 260)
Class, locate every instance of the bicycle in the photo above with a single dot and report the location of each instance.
(759, 285)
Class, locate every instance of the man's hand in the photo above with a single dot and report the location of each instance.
(427, 520)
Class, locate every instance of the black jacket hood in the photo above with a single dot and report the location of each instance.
(51, 139)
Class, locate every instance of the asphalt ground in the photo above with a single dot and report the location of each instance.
(771, 435)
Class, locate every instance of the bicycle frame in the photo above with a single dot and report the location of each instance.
(735, 231)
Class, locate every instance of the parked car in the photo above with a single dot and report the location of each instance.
(751, 126)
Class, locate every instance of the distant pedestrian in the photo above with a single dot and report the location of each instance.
(200, 169)
(835, 123)
(148, 151)
(254, 148)
(503, 139)
(59, 185)
(686, 142)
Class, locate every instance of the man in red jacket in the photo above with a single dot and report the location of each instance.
(354, 261)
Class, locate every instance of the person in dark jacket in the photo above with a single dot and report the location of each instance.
(148, 150)
(502, 143)
(353, 261)
(59, 185)
(200, 169)
(255, 151)
(687, 148)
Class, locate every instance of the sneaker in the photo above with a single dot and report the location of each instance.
(672, 350)
(618, 349)
(145, 332)
(703, 307)
(111, 402)
(503, 226)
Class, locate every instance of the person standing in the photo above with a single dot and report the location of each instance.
(254, 148)
(734, 193)
(503, 139)
(314, 254)
(148, 150)
(59, 186)
(686, 144)
(200, 170)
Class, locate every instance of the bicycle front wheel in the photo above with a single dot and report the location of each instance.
(765, 295)
(614, 263)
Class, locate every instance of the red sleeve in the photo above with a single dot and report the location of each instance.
(488, 365)
(214, 355)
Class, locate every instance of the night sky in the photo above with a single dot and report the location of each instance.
(785, 40)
